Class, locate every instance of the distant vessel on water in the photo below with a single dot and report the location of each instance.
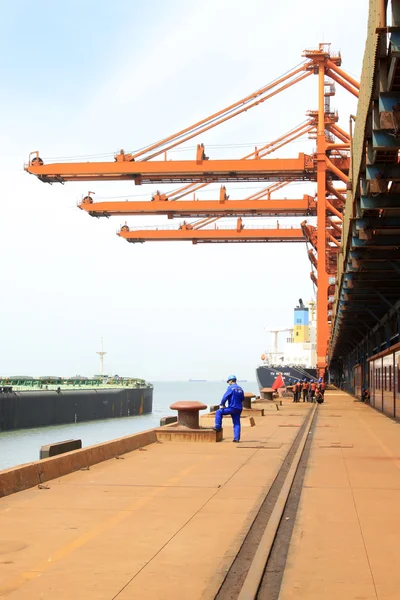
(27, 402)
(197, 380)
(298, 358)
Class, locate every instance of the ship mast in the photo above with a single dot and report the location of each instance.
(101, 354)
(312, 307)
(275, 332)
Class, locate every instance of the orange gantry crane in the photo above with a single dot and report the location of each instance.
(328, 166)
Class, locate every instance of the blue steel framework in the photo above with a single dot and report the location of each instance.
(365, 342)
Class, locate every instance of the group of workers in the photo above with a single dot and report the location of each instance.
(309, 390)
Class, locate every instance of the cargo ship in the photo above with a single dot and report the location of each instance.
(297, 360)
(27, 402)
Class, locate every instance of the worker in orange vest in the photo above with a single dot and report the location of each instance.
(296, 391)
(321, 385)
(306, 386)
(313, 388)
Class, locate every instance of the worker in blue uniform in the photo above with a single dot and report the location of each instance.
(234, 395)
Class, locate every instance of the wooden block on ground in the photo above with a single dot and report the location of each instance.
(207, 420)
(59, 448)
(178, 434)
(253, 412)
(168, 420)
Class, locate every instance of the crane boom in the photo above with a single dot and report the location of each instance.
(201, 208)
(302, 168)
(187, 233)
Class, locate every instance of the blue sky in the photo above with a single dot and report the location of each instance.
(88, 78)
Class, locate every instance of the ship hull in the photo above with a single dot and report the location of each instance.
(266, 375)
(28, 409)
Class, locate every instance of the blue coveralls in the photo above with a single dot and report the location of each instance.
(234, 395)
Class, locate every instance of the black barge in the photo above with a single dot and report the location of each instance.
(26, 402)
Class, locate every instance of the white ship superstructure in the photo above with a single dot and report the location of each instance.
(299, 347)
(298, 356)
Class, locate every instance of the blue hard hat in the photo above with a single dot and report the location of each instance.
(305, 379)
(320, 380)
(231, 378)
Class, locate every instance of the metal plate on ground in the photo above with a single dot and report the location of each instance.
(338, 445)
(258, 445)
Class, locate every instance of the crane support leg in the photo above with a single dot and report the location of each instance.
(322, 292)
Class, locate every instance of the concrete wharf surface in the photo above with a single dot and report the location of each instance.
(346, 538)
(167, 521)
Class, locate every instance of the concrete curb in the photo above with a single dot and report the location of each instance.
(29, 475)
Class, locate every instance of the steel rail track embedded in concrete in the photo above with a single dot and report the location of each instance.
(243, 581)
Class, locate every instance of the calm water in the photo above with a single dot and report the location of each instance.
(17, 447)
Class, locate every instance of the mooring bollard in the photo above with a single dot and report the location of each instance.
(247, 399)
(188, 413)
(267, 393)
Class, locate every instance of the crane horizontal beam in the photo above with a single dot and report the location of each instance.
(302, 168)
(209, 236)
(202, 208)
(178, 171)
